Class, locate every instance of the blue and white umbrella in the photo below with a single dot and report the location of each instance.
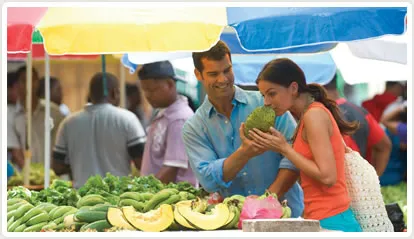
(280, 28)
(284, 30)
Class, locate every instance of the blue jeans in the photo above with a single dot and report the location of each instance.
(344, 221)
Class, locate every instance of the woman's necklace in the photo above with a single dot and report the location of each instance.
(309, 100)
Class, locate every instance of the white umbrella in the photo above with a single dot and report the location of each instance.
(359, 70)
(387, 48)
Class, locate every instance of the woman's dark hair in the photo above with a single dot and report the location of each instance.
(284, 72)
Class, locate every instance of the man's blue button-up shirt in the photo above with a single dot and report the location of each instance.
(210, 138)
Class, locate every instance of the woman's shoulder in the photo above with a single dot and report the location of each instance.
(317, 111)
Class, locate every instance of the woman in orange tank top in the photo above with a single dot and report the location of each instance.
(318, 150)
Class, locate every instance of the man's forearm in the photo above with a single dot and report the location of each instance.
(233, 164)
(283, 182)
(167, 174)
(137, 163)
(18, 157)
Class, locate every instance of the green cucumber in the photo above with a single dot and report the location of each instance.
(10, 221)
(31, 213)
(23, 209)
(132, 195)
(89, 216)
(130, 202)
(20, 228)
(147, 196)
(60, 226)
(14, 201)
(183, 195)
(171, 200)
(15, 206)
(49, 226)
(42, 217)
(62, 218)
(46, 206)
(11, 214)
(14, 225)
(99, 226)
(78, 225)
(35, 228)
(101, 207)
(61, 211)
(157, 198)
(90, 200)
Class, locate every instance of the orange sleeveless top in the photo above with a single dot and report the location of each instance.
(321, 201)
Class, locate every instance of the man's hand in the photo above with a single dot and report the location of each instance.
(18, 157)
(250, 147)
(274, 140)
(285, 179)
(167, 174)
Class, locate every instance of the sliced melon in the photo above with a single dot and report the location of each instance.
(178, 218)
(231, 217)
(152, 221)
(218, 217)
(116, 218)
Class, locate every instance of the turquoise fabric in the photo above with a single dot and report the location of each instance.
(10, 170)
(345, 222)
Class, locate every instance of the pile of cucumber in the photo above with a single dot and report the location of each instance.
(24, 217)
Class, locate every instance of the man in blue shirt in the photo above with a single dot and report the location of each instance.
(222, 159)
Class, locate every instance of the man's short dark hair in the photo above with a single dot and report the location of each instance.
(389, 84)
(96, 88)
(22, 70)
(332, 85)
(41, 90)
(132, 89)
(216, 53)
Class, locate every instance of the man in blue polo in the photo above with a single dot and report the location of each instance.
(221, 161)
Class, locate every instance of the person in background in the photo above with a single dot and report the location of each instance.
(12, 89)
(164, 154)
(396, 122)
(396, 128)
(379, 102)
(12, 98)
(370, 140)
(318, 150)
(135, 104)
(398, 102)
(222, 158)
(16, 129)
(56, 94)
(100, 138)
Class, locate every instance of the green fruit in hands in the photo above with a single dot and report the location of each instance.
(261, 118)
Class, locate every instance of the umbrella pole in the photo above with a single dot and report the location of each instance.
(122, 86)
(28, 154)
(47, 121)
(105, 89)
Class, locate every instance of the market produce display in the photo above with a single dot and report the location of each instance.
(37, 172)
(396, 194)
(113, 204)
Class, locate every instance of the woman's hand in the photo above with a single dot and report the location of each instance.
(250, 147)
(274, 140)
